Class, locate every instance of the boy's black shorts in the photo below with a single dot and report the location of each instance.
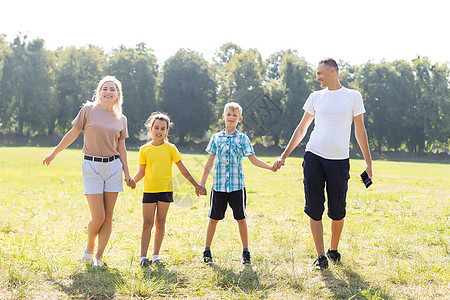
(319, 172)
(155, 197)
(219, 202)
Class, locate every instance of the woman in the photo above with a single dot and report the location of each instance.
(105, 131)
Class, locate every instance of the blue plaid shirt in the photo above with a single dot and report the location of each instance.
(229, 151)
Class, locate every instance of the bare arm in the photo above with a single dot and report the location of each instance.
(137, 177)
(199, 190)
(297, 137)
(363, 142)
(123, 158)
(208, 166)
(259, 163)
(65, 142)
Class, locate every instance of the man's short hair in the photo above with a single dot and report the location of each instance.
(329, 62)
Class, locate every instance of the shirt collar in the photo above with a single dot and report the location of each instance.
(223, 133)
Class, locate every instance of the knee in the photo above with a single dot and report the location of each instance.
(160, 223)
(98, 220)
(147, 224)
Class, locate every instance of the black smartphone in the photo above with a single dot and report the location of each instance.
(366, 180)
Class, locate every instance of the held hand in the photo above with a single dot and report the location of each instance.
(48, 159)
(200, 191)
(279, 163)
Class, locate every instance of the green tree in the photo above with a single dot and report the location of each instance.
(188, 93)
(137, 69)
(27, 86)
(298, 79)
(242, 82)
(430, 93)
(77, 72)
(225, 53)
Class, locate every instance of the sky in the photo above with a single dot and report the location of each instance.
(355, 31)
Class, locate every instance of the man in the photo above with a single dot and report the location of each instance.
(326, 160)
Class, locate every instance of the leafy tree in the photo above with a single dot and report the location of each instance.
(137, 69)
(298, 79)
(188, 93)
(77, 74)
(430, 93)
(242, 82)
(26, 86)
(225, 53)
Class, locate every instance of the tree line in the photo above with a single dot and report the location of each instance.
(41, 91)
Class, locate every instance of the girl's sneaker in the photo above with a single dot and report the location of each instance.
(145, 263)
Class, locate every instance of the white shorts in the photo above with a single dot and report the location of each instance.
(99, 177)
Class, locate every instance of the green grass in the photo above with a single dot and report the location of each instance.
(395, 243)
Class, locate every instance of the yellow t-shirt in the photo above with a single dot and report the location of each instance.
(158, 166)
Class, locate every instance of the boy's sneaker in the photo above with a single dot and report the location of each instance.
(145, 263)
(246, 258)
(207, 257)
(321, 263)
(334, 256)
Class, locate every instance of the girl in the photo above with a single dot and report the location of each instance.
(105, 131)
(155, 166)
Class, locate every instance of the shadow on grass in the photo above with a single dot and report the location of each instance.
(245, 282)
(93, 283)
(156, 280)
(351, 285)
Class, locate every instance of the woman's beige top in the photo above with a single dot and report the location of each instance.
(102, 130)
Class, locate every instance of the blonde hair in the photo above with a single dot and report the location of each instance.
(117, 107)
(232, 106)
(157, 116)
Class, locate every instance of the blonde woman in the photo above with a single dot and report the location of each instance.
(105, 157)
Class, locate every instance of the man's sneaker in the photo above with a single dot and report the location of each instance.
(321, 263)
(334, 256)
(145, 263)
(246, 258)
(207, 257)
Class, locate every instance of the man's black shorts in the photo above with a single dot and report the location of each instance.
(155, 197)
(319, 173)
(219, 202)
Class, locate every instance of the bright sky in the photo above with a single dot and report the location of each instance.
(353, 30)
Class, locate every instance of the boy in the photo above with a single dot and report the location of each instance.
(229, 146)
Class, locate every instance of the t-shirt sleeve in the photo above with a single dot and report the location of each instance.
(124, 131)
(359, 105)
(176, 156)
(142, 158)
(247, 146)
(81, 119)
(212, 146)
(309, 105)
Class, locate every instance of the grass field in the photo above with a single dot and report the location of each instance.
(395, 243)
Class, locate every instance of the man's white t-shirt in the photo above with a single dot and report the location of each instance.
(333, 116)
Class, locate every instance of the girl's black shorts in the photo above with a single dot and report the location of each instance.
(155, 197)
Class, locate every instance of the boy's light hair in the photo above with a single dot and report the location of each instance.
(232, 106)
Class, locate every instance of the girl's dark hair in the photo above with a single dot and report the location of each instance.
(157, 116)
